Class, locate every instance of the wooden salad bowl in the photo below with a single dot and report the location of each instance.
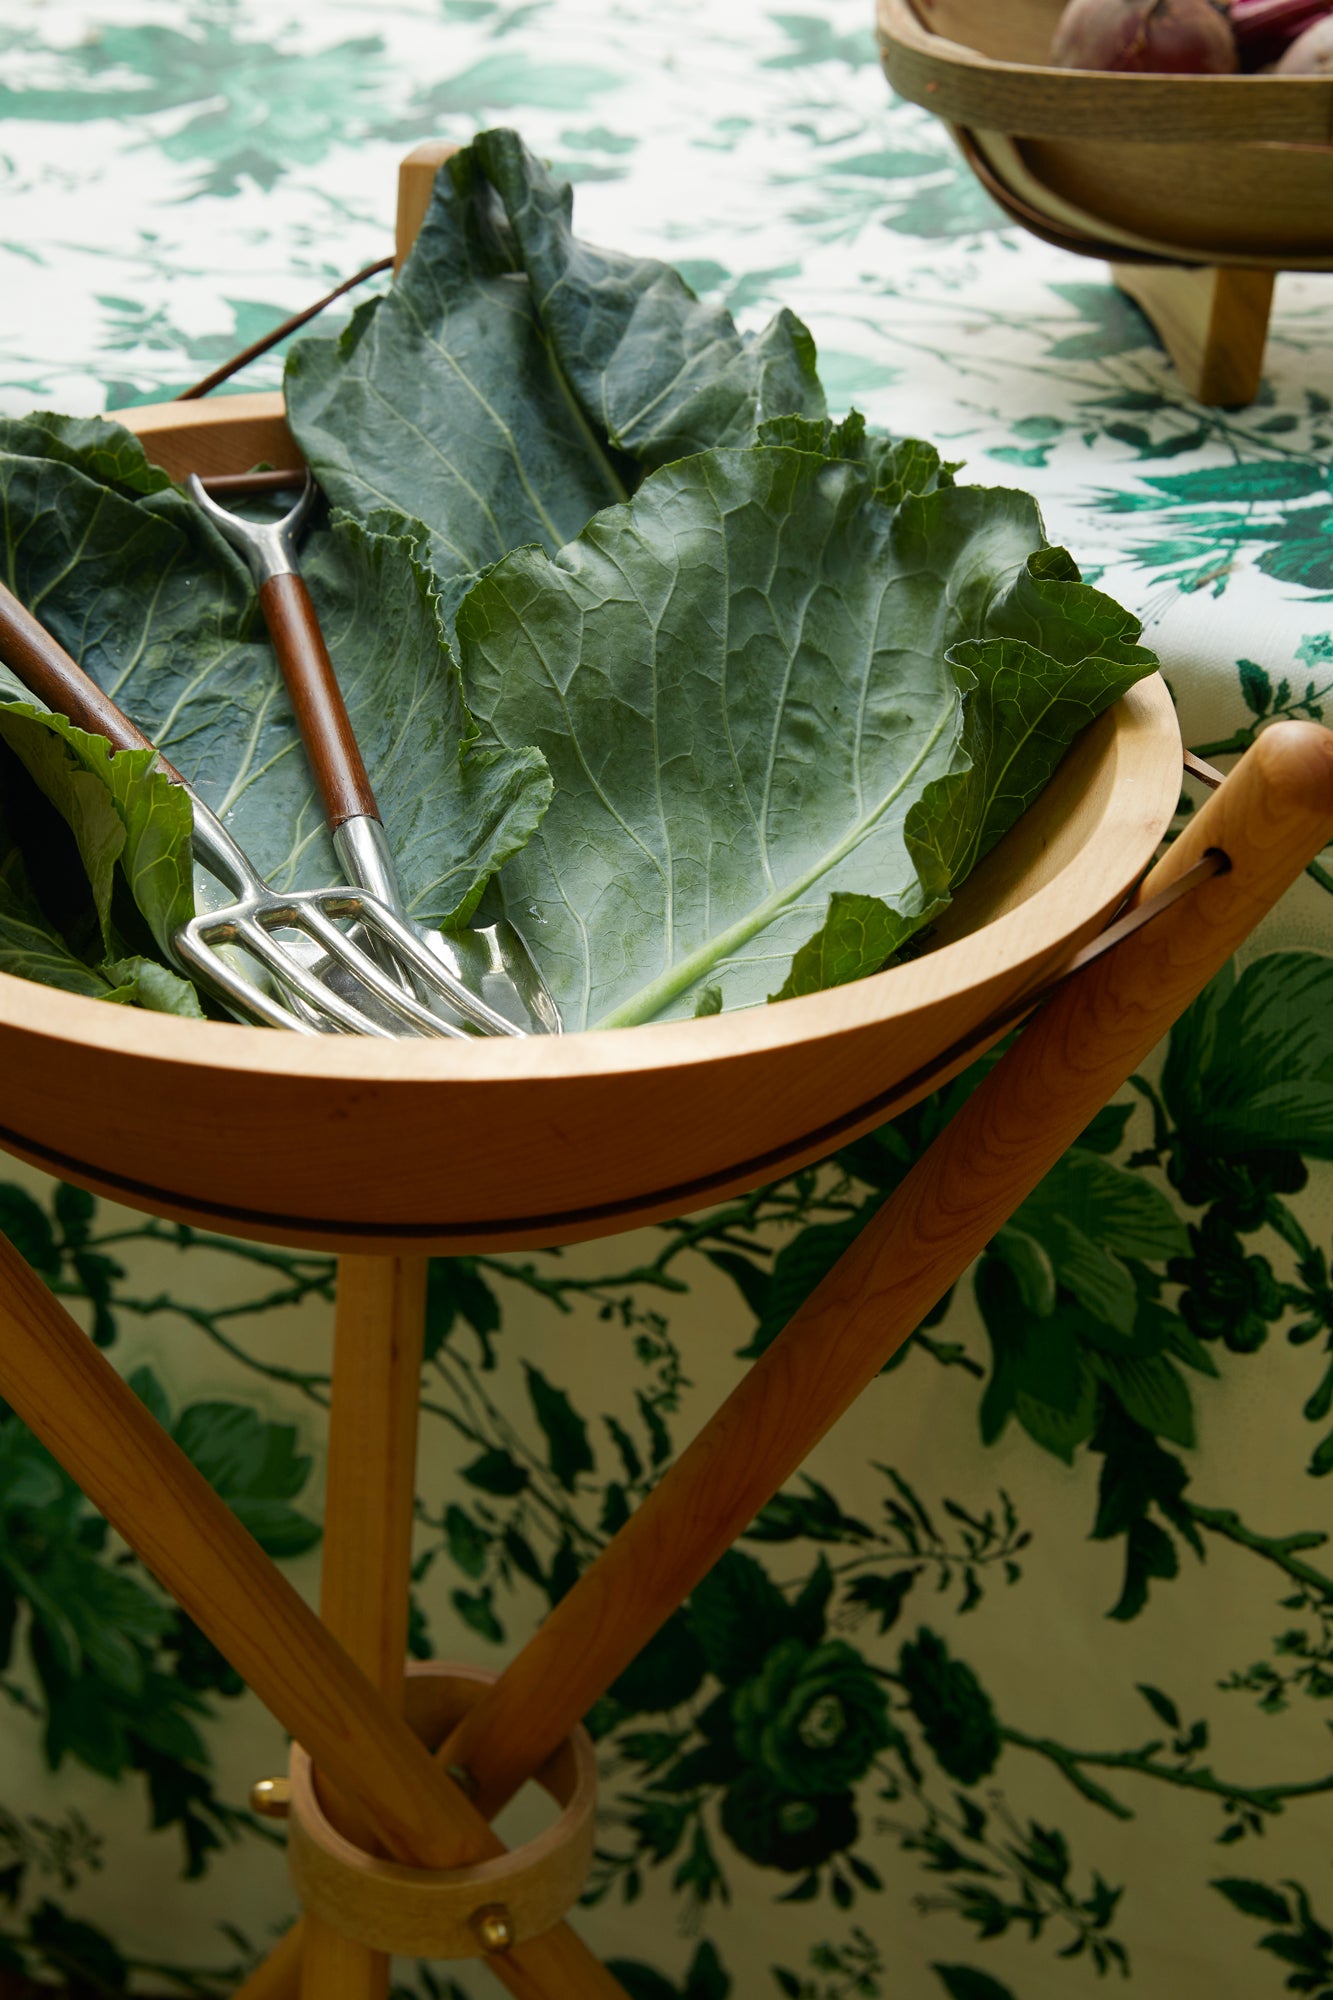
(347, 1143)
(1198, 189)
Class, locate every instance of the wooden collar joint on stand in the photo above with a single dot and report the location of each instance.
(472, 1912)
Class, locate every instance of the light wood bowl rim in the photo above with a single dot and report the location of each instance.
(798, 1080)
(1145, 728)
(961, 84)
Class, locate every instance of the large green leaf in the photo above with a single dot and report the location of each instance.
(1087, 1215)
(114, 810)
(1062, 653)
(744, 682)
(155, 606)
(1250, 1067)
(30, 945)
(515, 379)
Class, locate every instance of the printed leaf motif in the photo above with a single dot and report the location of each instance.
(496, 1472)
(964, 1982)
(1040, 1375)
(739, 1615)
(1118, 1210)
(1255, 1899)
(798, 1267)
(1151, 1392)
(255, 1467)
(1250, 1068)
(28, 1227)
(666, 1673)
(568, 1450)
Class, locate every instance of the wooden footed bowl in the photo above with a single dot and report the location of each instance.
(1204, 170)
(349, 1143)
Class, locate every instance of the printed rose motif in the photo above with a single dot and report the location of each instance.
(771, 1827)
(952, 1707)
(1239, 1191)
(813, 1719)
(1228, 1295)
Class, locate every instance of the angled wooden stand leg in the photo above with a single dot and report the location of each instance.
(1270, 818)
(68, 1394)
(368, 1515)
(1213, 323)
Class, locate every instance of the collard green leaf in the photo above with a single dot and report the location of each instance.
(516, 380)
(59, 760)
(1027, 699)
(657, 372)
(744, 683)
(143, 982)
(106, 801)
(156, 607)
(860, 934)
(106, 452)
(31, 947)
(737, 716)
(897, 466)
(791, 693)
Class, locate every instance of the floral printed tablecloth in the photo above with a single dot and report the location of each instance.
(1024, 1686)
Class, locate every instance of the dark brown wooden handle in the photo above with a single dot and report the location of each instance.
(321, 714)
(47, 670)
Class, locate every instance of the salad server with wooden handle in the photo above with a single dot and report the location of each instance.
(489, 964)
(293, 938)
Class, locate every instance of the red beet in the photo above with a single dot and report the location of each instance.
(1311, 54)
(1167, 37)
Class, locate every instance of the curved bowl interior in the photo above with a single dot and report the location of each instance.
(1018, 31)
(345, 1143)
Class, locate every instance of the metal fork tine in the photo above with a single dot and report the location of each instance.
(378, 917)
(288, 968)
(253, 927)
(251, 999)
(402, 1002)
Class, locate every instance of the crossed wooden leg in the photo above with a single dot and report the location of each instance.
(1272, 816)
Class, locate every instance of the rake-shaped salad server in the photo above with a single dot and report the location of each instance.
(493, 980)
(239, 909)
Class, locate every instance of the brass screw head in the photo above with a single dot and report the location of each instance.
(494, 1927)
(271, 1798)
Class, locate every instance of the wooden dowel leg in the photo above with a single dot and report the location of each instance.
(1272, 816)
(71, 1397)
(1213, 324)
(368, 1516)
(277, 1977)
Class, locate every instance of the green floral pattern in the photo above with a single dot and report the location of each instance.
(1022, 1686)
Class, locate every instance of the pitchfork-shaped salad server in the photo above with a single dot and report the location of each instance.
(485, 973)
(293, 938)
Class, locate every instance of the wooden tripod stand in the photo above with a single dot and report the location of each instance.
(332, 1684)
(394, 1844)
